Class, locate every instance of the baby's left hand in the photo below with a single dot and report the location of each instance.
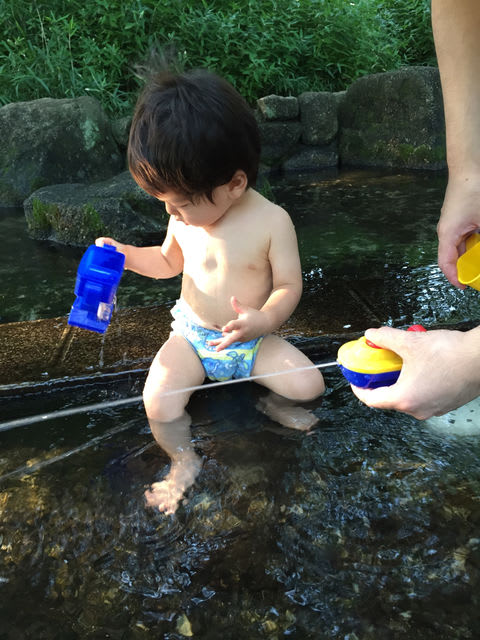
(250, 324)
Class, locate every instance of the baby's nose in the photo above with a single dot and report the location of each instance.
(171, 209)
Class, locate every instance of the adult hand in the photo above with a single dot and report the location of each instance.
(440, 371)
(250, 324)
(460, 217)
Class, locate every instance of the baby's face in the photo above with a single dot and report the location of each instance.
(200, 212)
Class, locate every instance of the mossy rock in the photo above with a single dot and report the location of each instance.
(76, 214)
(49, 141)
(395, 120)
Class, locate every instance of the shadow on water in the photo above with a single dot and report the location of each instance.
(368, 526)
(365, 529)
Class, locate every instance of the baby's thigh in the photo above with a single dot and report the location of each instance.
(277, 355)
(175, 367)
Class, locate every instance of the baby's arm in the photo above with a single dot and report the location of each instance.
(165, 261)
(286, 289)
(286, 273)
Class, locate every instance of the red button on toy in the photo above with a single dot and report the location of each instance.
(416, 327)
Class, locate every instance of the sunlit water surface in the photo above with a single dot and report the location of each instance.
(365, 529)
(360, 226)
(368, 526)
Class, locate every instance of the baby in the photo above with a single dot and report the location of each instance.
(194, 145)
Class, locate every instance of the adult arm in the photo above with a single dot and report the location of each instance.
(440, 368)
(456, 30)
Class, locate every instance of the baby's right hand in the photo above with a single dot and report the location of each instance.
(118, 245)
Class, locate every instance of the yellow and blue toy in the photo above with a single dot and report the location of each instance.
(366, 365)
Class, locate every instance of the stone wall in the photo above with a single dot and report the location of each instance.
(390, 120)
(299, 134)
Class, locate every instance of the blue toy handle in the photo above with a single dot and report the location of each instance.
(98, 276)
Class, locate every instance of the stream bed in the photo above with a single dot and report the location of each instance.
(364, 529)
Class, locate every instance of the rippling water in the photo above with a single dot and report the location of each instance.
(369, 526)
(367, 529)
(357, 224)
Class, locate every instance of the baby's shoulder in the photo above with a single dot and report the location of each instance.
(268, 211)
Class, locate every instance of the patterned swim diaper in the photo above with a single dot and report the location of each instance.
(236, 361)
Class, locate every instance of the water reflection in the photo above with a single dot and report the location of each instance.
(369, 526)
(358, 223)
(37, 278)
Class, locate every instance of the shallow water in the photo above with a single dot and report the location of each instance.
(37, 279)
(376, 233)
(359, 223)
(367, 529)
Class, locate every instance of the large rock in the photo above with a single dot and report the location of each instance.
(319, 118)
(76, 214)
(52, 141)
(278, 108)
(279, 140)
(394, 119)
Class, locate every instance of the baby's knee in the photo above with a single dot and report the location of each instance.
(159, 405)
(151, 402)
(308, 387)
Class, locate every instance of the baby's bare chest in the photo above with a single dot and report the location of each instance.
(228, 253)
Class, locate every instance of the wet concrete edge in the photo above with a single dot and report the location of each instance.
(51, 354)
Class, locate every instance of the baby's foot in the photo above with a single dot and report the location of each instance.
(166, 495)
(287, 413)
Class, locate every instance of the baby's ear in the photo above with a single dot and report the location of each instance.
(238, 183)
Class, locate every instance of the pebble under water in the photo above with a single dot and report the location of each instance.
(366, 528)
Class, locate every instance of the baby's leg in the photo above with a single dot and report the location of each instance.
(175, 367)
(274, 355)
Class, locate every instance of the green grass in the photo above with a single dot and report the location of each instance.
(67, 48)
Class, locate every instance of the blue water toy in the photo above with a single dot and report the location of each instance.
(98, 276)
(366, 365)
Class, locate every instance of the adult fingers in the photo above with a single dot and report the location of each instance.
(447, 261)
(388, 338)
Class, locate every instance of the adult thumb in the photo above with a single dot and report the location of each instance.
(387, 338)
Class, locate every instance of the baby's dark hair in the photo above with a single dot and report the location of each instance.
(190, 133)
